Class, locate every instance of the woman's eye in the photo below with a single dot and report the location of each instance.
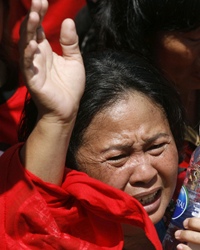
(156, 149)
(157, 146)
(117, 157)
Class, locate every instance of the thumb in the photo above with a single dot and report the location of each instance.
(69, 40)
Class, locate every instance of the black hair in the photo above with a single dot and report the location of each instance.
(131, 24)
(110, 77)
(5, 41)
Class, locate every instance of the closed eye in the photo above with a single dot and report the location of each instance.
(116, 158)
(156, 146)
(157, 149)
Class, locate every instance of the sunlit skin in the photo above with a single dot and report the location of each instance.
(130, 147)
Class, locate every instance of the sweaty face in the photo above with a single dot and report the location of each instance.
(130, 146)
(178, 55)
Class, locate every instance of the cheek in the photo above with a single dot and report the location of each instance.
(112, 176)
(170, 169)
(118, 178)
(97, 170)
(173, 54)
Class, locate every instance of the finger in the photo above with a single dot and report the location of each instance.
(32, 25)
(40, 7)
(69, 40)
(28, 31)
(188, 236)
(192, 224)
(40, 32)
(43, 9)
(35, 7)
(183, 247)
(26, 62)
(31, 28)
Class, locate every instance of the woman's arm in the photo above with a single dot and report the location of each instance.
(56, 85)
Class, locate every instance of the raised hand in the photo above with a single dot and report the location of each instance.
(56, 83)
(191, 235)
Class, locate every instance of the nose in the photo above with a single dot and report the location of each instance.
(142, 171)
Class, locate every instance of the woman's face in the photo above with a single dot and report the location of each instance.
(178, 55)
(130, 146)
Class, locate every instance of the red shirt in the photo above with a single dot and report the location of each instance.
(83, 213)
(10, 113)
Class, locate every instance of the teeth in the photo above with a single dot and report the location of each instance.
(147, 199)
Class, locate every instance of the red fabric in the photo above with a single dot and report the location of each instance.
(58, 11)
(187, 155)
(82, 214)
(184, 164)
(10, 113)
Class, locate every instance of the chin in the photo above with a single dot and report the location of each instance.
(156, 217)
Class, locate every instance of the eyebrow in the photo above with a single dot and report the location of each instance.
(149, 140)
(119, 147)
(155, 137)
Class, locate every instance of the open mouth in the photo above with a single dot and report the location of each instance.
(149, 198)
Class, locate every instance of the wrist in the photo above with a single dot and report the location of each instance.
(55, 131)
(44, 152)
(52, 122)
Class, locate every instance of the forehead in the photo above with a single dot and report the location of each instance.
(134, 113)
(133, 101)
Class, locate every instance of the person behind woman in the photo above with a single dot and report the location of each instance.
(165, 31)
(127, 132)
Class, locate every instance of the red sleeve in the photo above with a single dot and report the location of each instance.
(103, 203)
(10, 113)
(45, 216)
(26, 221)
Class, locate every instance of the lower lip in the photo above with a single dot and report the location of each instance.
(154, 205)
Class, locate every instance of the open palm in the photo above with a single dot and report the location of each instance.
(56, 83)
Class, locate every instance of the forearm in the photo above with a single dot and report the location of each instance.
(45, 150)
(56, 84)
